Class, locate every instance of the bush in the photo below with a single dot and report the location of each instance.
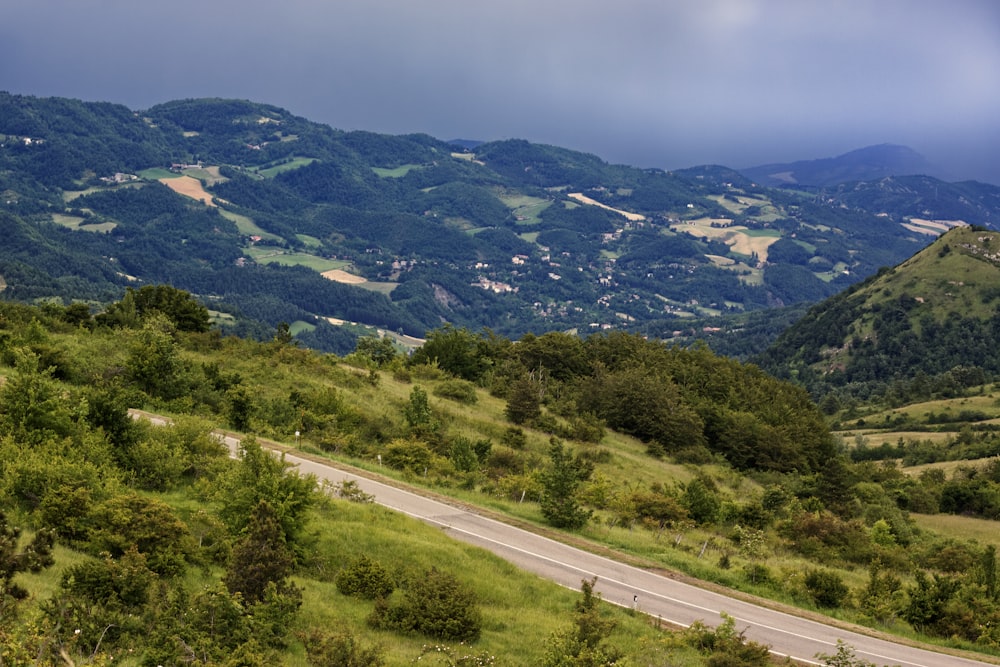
(436, 605)
(826, 588)
(365, 578)
(457, 390)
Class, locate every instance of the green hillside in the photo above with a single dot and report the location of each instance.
(933, 317)
(247, 206)
(674, 459)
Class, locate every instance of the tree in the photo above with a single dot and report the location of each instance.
(701, 502)
(826, 588)
(561, 480)
(582, 644)
(178, 306)
(261, 557)
(457, 351)
(154, 363)
(379, 350)
(523, 401)
(32, 409)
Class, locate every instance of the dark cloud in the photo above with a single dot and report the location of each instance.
(646, 82)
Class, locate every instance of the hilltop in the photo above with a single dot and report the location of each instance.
(932, 318)
(864, 164)
(272, 219)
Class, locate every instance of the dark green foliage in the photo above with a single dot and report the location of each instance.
(523, 401)
(260, 557)
(149, 526)
(122, 583)
(365, 578)
(263, 477)
(826, 588)
(178, 306)
(725, 647)
(380, 350)
(435, 604)
(457, 351)
(561, 480)
(701, 502)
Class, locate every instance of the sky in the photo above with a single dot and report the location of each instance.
(649, 83)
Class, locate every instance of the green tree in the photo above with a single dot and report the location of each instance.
(239, 407)
(260, 476)
(154, 363)
(457, 351)
(561, 480)
(523, 400)
(826, 588)
(700, 501)
(32, 408)
(178, 306)
(260, 558)
(379, 350)
(583, 645)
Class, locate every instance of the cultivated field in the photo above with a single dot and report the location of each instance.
(80, 224)
(741, 239)
(396, 172)
(526, 209)
(583, 199)
(189, 187)
(294, 163)
(341, 276)
(247, 226)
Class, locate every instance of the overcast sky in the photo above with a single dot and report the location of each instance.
(661, 83)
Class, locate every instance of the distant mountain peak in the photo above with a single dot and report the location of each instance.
(862, 164)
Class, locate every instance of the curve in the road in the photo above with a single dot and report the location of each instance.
(660, 596)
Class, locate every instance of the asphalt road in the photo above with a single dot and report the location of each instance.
(659, 596)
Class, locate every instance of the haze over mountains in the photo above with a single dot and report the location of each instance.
(864, 164)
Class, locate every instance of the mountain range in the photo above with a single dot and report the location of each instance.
(270, 218)
(864, 164)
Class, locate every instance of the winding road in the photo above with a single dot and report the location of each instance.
(659, 596)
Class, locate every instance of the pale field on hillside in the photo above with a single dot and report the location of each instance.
(583, 199)
(189, 187)
(741, 239)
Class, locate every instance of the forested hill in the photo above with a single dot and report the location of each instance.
(271, 218)
(930, 324)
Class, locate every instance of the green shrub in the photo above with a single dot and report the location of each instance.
(436, 605)
(826, 588)
(365, 578)
(457, 390)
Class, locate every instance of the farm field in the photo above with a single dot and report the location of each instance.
(526, 209)
(741, 239)
(189, 187)
(272, 171)
(319, 264)
(81, 224)
(396, 172)
(247, 226)
(583, 199)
